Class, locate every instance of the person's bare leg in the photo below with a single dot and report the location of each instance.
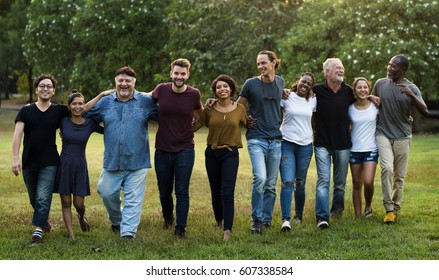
(78, 202)
(66, 204)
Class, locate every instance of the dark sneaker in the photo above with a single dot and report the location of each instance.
(266, 226)
(167, 224)
(256, 227)
(337, 214)
(368, 213)
(115, 228)
(128, 237)
(322, 224)
(179, 232)
(36, 240)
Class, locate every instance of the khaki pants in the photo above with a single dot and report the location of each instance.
(394, 156)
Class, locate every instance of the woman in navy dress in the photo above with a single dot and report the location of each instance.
(72, 174)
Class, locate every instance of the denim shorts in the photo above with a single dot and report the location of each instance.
(360, 157)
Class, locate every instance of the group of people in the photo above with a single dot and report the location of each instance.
(284, 127)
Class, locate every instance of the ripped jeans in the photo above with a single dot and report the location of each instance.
(294, 165)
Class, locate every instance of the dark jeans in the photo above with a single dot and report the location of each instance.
(174, 168)
(39, 183)
(222, 168)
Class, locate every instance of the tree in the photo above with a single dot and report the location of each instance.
(118, 33)
(49, 43)
(83, 42)
(13, 21)
(225, 36)
(365, 34)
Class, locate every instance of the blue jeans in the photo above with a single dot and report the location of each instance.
(293, 171)
(222, 169)
(133, 185)
(265, 158)
(340, 160)
(174, 168)
(39, 183)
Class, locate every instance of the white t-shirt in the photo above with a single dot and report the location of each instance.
(296, 124)
(363, 128)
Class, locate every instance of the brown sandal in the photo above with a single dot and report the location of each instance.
(85, 226)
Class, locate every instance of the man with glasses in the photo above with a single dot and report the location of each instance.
(39, 122)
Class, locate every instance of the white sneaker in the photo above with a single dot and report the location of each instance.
(286, 226)
(322, 224)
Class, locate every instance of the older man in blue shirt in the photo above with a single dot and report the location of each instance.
(125, 114)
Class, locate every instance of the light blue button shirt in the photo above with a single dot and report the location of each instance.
(125, 130)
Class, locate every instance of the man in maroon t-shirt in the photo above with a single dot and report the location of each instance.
(174, 156)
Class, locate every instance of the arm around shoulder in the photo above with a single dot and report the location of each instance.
(98, 97)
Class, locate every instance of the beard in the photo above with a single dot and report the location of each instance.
(182, 83)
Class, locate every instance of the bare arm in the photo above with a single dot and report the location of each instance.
(286, 93)
(419, 104)
(92, 102)
(210, 102)
(196, 126)
(242, 100)
(197, 113)
(250, 120)
(375, 100)
(199, 120)
(16, 143)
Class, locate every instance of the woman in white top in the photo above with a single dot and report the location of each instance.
(364, 152)
(297, 149)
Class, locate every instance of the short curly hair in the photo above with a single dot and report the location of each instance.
(227, 79)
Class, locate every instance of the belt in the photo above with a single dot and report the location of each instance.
(230, 148)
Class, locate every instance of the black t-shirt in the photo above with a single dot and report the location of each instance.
(332, 119)
(39, 144)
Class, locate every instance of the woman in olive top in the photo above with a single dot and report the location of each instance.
(222, 156)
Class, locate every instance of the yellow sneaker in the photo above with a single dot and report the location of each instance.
(390, 217)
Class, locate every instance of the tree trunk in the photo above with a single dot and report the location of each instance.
(30, 82)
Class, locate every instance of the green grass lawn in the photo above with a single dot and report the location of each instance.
(414, 237)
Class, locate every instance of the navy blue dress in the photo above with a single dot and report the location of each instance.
(72, 173)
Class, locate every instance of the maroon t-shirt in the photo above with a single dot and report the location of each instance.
(175, 114)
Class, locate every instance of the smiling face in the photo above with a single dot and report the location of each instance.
(179, 76)
(304, 85)
(45, 90)
(361, 89)
(222, 90)
(125, 86)
(394, 70)
(265, 66)
(335, 72)
(77, 106)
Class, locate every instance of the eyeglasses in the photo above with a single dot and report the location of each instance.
(42, 86)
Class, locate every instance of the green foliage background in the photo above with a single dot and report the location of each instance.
(83, 42)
